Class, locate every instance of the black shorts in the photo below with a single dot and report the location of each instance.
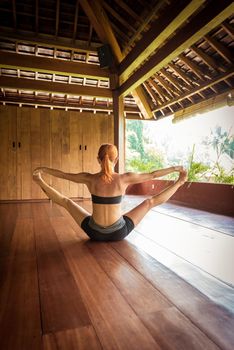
(117, 235)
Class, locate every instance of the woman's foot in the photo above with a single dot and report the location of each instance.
(37, 175)
(182, 178)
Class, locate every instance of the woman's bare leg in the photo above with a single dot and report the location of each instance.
(76, 211)
(142, 209)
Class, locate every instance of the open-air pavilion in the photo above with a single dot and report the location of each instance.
(72, 72)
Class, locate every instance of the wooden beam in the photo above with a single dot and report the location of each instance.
(171, 79)
(181, 74)
(128, 9)
(119, 18)
(67, 104)
(162, 95)
(229, 29)
(207, 19)
(208, 60)
(142, 102)
(76, 20)
(193, 66)
(170, 90)
(14, 13)
(199, 89)
(143, 26)
(119, 130)
(47, 40)
(90, 33)
(36, 16)
(101, 24)
(57, 17)
(176, 15)
(53, 87)
(220, 48)
(52, 66)
(152, 94)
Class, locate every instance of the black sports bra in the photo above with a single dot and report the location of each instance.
(106, 200)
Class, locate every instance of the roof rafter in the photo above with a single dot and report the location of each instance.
(221, 49)
(181, 74)
(75, 20)
(208, 18)
(209, 60)
(101, 24)
(229, 29)
(14, 13)
(199, 89)
(158, 33)
(36, 16)
(143, 26)
(194, 67)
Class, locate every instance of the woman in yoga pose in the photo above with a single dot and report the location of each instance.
(107, 189)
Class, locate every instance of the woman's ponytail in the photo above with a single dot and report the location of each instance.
(107, 154)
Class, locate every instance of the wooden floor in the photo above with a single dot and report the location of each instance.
(61, 291)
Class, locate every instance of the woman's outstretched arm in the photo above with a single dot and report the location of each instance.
(78, 178)
(132, 178)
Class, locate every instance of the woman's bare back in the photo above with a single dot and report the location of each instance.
(106, 214)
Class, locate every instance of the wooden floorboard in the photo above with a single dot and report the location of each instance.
(20, 326)
(83, 338)
(61, 304)
(8, 217)
(60, 291)
(212, 319)
(114, 321)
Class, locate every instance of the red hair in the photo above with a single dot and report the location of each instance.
(107, 154)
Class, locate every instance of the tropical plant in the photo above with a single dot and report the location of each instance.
(196, 170)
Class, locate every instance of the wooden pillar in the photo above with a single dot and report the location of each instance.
(119, 130)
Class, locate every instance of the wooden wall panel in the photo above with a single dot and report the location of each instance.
(7, 153)
(68, 141)
(35, 122)
(76, 190)
(45, 142)
(4, 127)
(24, 157)
(56, 147)
(12, 154)
(65, 166)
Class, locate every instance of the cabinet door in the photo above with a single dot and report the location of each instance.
(8, 152)
(66, 142)
(24, 175)
(40, 147)
(76, 153)
(33, 150)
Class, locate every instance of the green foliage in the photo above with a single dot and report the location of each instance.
(135, 136)
(144, 157)
(220, 175)
(147, 165)
(196, 169)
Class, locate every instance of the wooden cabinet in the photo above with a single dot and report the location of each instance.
(68, 141)
(8, 153)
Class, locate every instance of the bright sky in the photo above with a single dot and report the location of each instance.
(191, 130)
(182, 135)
